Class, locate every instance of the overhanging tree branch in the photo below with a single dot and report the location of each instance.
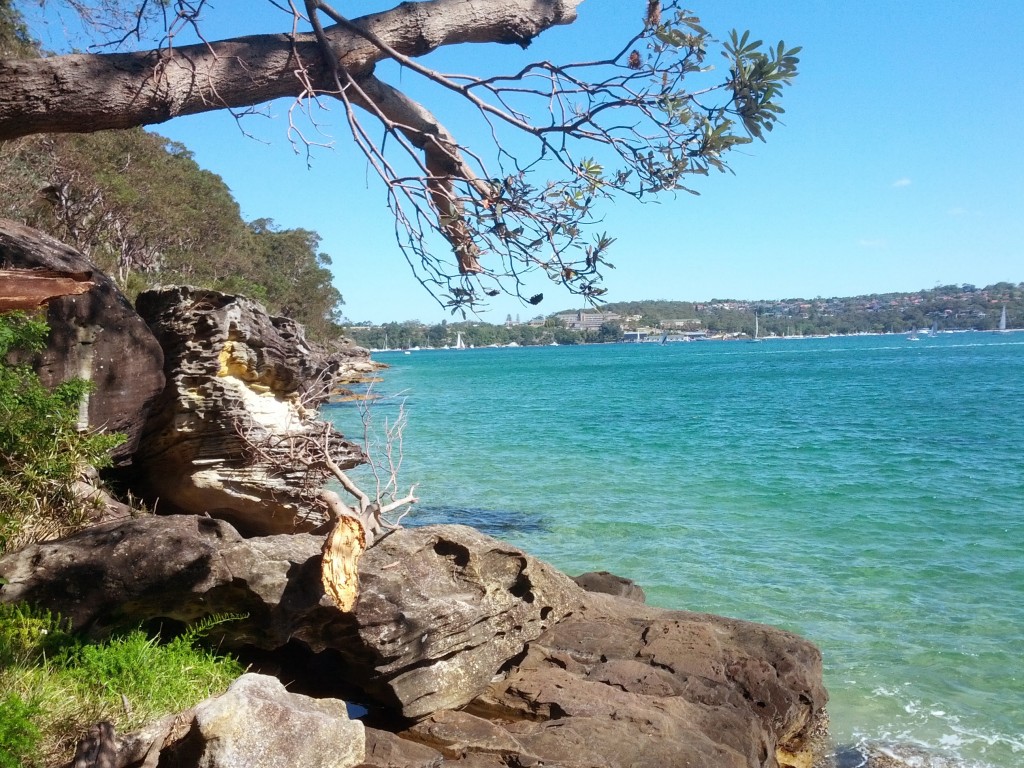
(638, 122)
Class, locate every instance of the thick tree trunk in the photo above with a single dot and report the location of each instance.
(80, 93)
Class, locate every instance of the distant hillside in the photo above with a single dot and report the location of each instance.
(949, 307)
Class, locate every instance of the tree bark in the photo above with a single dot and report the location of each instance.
(80, 93)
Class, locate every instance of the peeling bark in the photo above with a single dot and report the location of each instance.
(340, 569)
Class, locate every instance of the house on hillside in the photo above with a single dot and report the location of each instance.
(587, 321)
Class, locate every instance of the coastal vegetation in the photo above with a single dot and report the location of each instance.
(57, 683)
(42, 451)
(950, 307)
(142, 210)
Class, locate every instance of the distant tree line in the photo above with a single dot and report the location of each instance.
(412, 333)
(949, 307)
(963, 307)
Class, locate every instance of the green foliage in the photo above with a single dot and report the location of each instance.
(293, 273)
(14, 37)
(164, 677)
(143, 210)
(19, 735)
(60, 684)
(30, 635)
(42, 453)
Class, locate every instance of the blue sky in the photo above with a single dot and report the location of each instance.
(900, 165)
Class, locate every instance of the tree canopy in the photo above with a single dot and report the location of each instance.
(638, 119)
(143, 211)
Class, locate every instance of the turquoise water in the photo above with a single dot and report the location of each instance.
(865, 492)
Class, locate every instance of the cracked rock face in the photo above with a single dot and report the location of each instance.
(500, 659)
(235, 377)
(442, 608)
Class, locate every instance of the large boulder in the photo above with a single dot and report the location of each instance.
(495, 655)
(242, 388)
(258, 724)
(696, 689)
(442, 609)
(94, 335)
(178, 567)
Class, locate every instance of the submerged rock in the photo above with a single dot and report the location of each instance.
(610, 584)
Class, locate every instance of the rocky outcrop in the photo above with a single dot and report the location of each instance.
(256, 723)
(178, 567)
(442, 609)
(241, 389)
(697, 689)
(497, 658)
(94, 335)
(610, 584)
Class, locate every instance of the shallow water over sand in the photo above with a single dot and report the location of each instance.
(866, 492)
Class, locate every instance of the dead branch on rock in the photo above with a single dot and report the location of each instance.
(311, 448)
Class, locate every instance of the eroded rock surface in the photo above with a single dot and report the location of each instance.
(442, 608)
(498, 658)
(239, 382)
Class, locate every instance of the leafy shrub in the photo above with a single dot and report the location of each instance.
(30, 635)
(42, 453)
(19, 736)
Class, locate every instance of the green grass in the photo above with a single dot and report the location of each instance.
(58, 685)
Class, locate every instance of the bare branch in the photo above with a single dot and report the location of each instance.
(640, 121)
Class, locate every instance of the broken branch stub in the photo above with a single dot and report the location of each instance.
(342, 549)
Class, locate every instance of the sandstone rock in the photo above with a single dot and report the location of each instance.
(95, 335)
(610, 584)
(258, 724)
(176, 567)
(695, 689)
(387, 750)
(449, 619)
(255, 723)
(442, 608)
(239, 383)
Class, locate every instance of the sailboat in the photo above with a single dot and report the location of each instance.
(756, 329)
(459, 343)
(934, 330)
(1002, 320)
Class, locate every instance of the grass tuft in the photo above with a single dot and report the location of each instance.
(59, 684)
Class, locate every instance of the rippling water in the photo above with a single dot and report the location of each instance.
(866, 492)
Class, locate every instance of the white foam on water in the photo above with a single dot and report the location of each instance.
(933, 737)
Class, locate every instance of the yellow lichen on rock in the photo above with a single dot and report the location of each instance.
(233, 364)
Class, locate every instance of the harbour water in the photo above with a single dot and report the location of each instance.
(865, 492)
